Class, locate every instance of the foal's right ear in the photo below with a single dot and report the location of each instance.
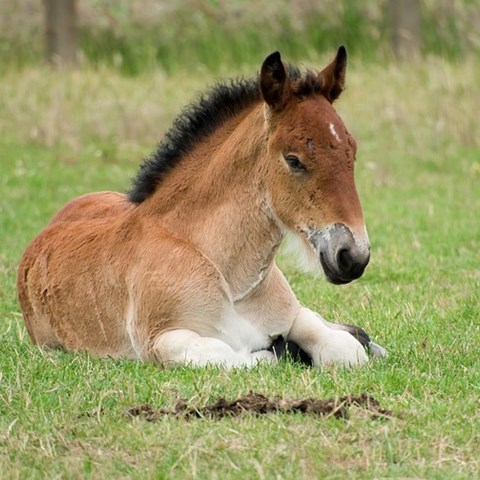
(274, 82)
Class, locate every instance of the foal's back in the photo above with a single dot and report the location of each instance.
(93, 206)
(88, 225)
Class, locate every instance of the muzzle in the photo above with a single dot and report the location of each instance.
(343, 257)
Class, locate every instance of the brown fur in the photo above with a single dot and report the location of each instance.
(110, 277)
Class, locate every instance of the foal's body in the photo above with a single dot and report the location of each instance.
(186, 273)
(214, 323)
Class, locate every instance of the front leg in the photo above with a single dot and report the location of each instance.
(325, 345)
(361, 335)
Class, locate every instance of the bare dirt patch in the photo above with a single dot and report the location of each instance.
(258, 404)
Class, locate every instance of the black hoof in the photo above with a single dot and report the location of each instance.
(360, 334)
(283, 349)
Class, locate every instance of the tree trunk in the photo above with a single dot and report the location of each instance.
(405, 26)
(61, 31)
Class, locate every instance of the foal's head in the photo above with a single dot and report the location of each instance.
(310, 163)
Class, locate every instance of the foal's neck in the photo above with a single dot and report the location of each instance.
(216, 199)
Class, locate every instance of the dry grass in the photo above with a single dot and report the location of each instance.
(424, 107)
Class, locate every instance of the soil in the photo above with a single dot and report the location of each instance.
(255, 403)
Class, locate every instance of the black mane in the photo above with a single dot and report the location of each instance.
(200, 119)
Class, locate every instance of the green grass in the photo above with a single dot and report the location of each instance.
(418, 174)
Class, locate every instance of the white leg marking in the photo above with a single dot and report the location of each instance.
(185, 347)
(263, 356)
(324, 344)
(375, 349)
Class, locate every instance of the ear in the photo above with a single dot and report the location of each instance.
(274, 83)
(332, 77)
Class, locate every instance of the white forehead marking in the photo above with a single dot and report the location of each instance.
(334, 132)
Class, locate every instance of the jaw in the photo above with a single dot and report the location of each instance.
(304, 251)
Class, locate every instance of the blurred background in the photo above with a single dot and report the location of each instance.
(133, 36)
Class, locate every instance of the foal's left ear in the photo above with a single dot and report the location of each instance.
(274, 82)
(332, 77)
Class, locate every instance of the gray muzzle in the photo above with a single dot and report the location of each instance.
(343, 259)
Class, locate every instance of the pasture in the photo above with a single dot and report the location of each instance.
(418, 175)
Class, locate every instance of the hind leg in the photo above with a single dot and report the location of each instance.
(185, 347)
(33, 305)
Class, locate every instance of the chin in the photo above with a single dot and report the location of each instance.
(304, 254)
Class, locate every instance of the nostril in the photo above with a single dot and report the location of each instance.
(344, 260)
(351, 264)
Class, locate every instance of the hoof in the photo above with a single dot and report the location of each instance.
(377, 351)
(362, 336)
(283, 349)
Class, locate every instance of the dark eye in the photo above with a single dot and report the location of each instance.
(294, 163)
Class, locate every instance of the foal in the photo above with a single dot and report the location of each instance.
(181, 270)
